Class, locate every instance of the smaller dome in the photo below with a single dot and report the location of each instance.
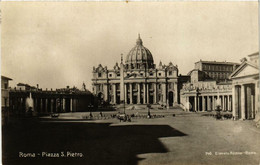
(139, 56)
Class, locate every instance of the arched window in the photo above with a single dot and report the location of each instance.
(99, 74)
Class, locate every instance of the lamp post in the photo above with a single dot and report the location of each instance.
(90, 110)
(148, 109)
(124, 107)
(100, 110)
(218, 109)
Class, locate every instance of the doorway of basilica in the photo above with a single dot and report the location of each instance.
(170, 98)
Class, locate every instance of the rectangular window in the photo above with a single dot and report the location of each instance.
(110, 75)
(159, 74)
(170, 73)
(6, 85)
(151, 74)
(99, 74)
(5, 102)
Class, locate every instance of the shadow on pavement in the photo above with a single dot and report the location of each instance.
(100, 143)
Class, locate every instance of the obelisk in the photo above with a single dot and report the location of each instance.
(122, 84)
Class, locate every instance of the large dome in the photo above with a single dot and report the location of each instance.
(139, 57)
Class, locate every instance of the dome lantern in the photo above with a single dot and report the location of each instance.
(139, 40)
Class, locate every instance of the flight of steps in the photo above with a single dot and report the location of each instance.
(144, 106)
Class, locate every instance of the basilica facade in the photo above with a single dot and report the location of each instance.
(137, 80)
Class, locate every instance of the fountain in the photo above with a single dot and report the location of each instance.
(29, 104)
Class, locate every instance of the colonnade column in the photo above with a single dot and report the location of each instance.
(243, 113)
(203, 104)
(155, 94)
(125, 88)
(131, 93)
(231, 102)
(218, 101)
(60, 106)
(208, 103)
(256, 98)
(213, 103)
(57, 105)
(46, 105)
(144, 94)
(147, 93)
(105, 92)
(195, 101)
(71, 105)
(176, 96)
(223, 102)
(63, 105)
(138, 93)
(187, 101)
(228, 102)
(234, 102)
(114, 93)
(75, 104)
(54, 105)
(41, 105)
(199, 109)
(51, 105)
(164, 93)
(34, 105)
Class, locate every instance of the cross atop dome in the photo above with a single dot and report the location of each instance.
(139, 40)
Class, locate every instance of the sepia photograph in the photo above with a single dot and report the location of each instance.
(130, 83)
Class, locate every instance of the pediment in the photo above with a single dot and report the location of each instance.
(245, 70)
(132, 75)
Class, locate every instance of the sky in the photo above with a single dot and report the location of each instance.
(55, 44)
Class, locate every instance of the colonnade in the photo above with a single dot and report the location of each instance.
(55, 104)
(142, 93)
(20, 105)
(210, 102)
(245, 100)
(46, 102)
